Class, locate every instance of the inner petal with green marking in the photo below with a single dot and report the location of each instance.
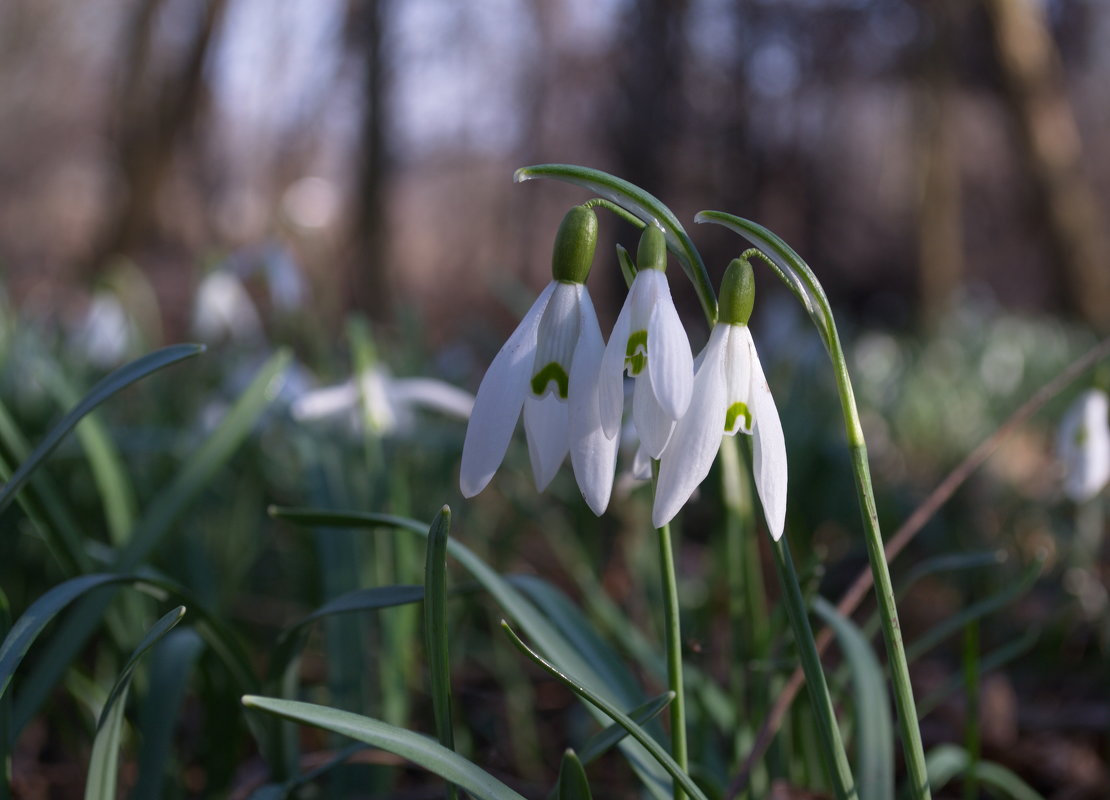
(636, 353)
(552, 372)
(734, 413)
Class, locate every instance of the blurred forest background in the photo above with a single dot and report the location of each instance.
(943, 165)
(914, 153)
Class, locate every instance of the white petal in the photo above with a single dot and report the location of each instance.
(435, 395)
(592, 454)
(769, 450)
(641, 465)
(697, 436)
(497, 406)
(653, 424)
(325, 402)
(670, 363)
(739, 352)
(547, 424)
(611, 378)
(1083, 446)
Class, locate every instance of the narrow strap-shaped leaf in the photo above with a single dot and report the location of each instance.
(645, 206)
(435, 629)
(419, 749)
(100, 784)
(171, 664)
(598, 744)
(108, 386)
(946, 761)
(637, 733)
(5, 711)
(155, 523)
(978, 610)
(546, 636)
(874, 726)
(573, 784)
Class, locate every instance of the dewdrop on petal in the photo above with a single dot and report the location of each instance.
(548, 367)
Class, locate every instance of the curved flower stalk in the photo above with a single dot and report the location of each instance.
(730, 396)
(549, 366)
(1083, 446)
(649, 343)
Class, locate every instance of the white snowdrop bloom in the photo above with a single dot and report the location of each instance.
(549, 366)
(387, 403)
(1083, 446)
(649, 343)
(730, 396)
(106, 334)
(222, 309)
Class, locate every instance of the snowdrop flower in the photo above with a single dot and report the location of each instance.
(650, 344)
(549, 366)
(223, 309)
(106, 334)
(387, 403)
(730, 395)
(1083, 445)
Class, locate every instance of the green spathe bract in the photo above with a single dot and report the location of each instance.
(737, 293)
(575, 243)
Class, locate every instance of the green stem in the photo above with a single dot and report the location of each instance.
(971, 730)
(836, 760)
(797, 275)
(673, 637)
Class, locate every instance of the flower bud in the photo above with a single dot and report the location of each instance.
(737, 293)
(652, 252)
(574, 246)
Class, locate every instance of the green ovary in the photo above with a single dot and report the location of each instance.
(734, 411)
(636, 353)
(552, 372)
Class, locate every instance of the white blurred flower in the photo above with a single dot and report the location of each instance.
(222, 309)
(106, 334)
(1083, 446)
(387, 404)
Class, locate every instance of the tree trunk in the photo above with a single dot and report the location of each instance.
(1036, 92)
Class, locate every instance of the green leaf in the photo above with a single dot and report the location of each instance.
(108, 386)
(982, 608)
(105, 464)
(644, 206)
(160, 516)
(170, 666)
(573, 784)
(39, 614)
(598, 744)
(100, 784)
(435, 628)
(946, 761)
(546, 636)
(415, 747)
(875, 729)
(637, 733)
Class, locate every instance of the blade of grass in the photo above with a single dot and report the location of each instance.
(639, 734)
(874, 727)
(435, 630)
(946, 761)
(171, 663)
(111, 384)
(159, 518)
(598, 744)
(415, 747)
(100, 784)
(516, 605)
(573, 784)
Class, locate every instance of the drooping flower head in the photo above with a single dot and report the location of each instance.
(730, 396)
(1083, 445)
(650, 345)
(550, 367)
